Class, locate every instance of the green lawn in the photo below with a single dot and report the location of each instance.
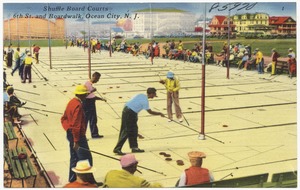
(265, 45)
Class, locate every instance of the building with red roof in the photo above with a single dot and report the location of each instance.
(283, 25)
(219, 25)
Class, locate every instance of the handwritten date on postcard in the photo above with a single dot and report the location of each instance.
(231, 6)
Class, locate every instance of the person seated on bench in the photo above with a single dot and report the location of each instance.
(194, 56)
(250, 63)
(14, 104)
(195, 174)
(207, 56)
(245, 58)
(232, 59)
(222, 61)
(178, 55)
(6, 104)
(123, 45)
(84, 172)
(188, 54)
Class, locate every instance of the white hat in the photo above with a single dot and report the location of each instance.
(83, 166)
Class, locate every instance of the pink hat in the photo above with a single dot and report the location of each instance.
(127, 160)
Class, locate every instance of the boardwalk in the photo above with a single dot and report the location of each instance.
(250, 119)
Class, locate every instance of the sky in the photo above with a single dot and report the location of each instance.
(271, 8)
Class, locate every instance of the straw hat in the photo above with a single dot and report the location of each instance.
(196, 158)
(196, 155)
(83, 166)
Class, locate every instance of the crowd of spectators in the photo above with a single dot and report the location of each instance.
(236, 55)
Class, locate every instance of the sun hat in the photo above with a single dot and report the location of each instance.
(80, 89)
(291, 49)
(257, 49)
(128, 160)
(170, 74)
(196, 158)
(83, 166)
(196, 155)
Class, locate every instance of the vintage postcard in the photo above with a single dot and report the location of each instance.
(149, 94)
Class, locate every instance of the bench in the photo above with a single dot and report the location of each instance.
(234, 62)
(249, 181)
(286, 179)
(281, 67)
(19, 168)
(10, 132)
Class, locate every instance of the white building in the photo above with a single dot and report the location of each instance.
(151, 22)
